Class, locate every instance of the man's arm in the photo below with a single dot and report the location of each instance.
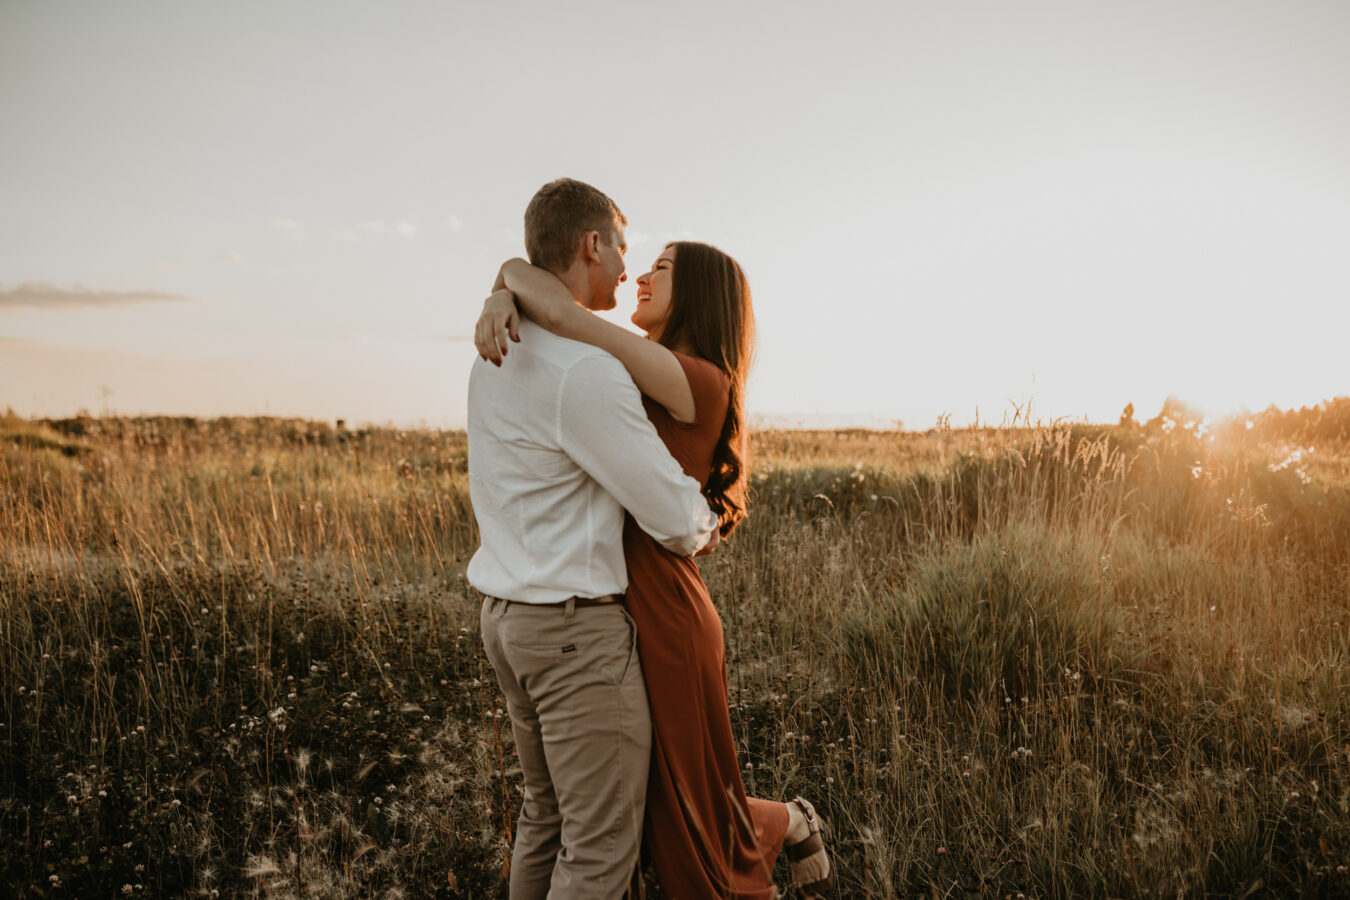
(603, 427)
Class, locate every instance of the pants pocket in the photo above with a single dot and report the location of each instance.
(632, 663)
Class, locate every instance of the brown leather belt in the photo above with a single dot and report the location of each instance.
(594, 601)
(577, 602)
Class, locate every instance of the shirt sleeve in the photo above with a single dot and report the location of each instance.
(602, 426)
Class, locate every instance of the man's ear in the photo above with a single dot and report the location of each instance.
(590, 246)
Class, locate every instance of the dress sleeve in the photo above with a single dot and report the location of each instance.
(711, 390)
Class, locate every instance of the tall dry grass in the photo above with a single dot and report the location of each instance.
(239, 657)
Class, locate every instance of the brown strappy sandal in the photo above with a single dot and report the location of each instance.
(812, 871)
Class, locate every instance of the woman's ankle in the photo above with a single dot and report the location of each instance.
(797, 829)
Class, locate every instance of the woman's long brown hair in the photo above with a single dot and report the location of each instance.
(711, 313)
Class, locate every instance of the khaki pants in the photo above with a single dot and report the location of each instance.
(578, 705)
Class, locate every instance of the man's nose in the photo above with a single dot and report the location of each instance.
(623, 276)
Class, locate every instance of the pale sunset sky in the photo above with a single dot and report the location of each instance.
(297, 208)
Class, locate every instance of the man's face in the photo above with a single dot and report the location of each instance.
(609, 271)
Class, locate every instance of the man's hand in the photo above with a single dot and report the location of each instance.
(499, 322)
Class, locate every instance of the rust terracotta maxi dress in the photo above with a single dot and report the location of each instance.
(706, 838)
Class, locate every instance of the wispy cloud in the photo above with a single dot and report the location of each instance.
(289, 227)
(40, 295)
(375, 228)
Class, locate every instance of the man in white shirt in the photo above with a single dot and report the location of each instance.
(559, 447)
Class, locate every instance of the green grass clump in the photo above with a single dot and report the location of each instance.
(996, 617)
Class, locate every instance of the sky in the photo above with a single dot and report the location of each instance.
(944, 209)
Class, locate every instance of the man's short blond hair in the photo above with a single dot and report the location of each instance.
(559, 214)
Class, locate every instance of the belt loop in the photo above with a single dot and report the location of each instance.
(569, 609)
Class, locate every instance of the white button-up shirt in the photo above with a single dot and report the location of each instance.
(559, 447)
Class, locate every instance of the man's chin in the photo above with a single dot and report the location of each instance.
(600, 304)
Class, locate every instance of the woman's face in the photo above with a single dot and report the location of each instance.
(653, 295)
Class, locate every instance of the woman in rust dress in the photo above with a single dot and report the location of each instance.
(705, 836)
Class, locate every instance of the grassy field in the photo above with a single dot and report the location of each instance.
(239, 658)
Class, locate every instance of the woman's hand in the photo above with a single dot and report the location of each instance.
(712, 542)
(499, 322)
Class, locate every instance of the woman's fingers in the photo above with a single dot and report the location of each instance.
(497, 327)
(502, 335)
(485, 340)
